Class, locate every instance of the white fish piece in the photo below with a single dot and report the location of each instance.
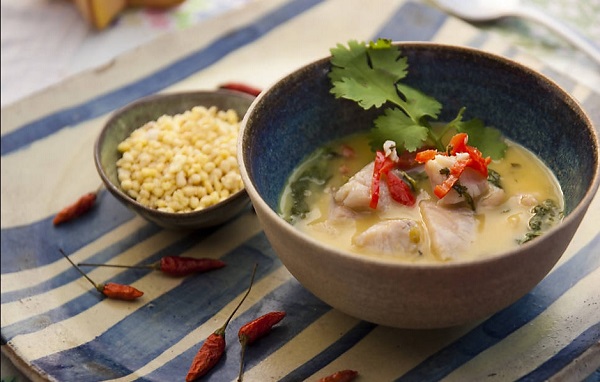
(392, 237)
(340, 213)
(475, 183)
(356, 192)
(493, 198)
(452, 231)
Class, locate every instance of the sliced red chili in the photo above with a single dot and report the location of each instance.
(408, 160)
(458, 143)
(382, 165)
(399, 190)
(426, 155)
(478, 162)
(455, 171)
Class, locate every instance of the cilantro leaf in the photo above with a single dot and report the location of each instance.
(366, 75)
(370, 75)
(398, 127)
(419, 105)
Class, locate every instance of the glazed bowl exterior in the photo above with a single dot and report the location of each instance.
(124, 121)
(298, 114)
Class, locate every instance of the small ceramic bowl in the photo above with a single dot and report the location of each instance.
(122, 123)
(298, 114)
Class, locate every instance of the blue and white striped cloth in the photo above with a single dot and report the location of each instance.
(57, 327)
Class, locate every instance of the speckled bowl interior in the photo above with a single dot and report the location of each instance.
(298, 114)
(124, 121)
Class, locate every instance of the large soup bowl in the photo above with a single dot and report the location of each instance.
(298, 114)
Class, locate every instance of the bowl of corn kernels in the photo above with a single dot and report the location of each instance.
(171, 158)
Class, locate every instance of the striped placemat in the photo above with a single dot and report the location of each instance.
(56, 327)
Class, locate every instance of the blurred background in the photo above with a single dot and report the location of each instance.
(44, 41)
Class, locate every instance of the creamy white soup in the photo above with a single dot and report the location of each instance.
(330, 196)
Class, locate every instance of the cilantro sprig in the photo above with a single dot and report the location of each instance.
(371, 74)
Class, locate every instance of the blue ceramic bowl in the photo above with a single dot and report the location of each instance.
(298, 114)
(124, 121)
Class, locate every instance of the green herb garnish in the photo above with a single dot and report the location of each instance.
(312, 177)
(371, 76)
(494, 178)
(464, 192)
(545, 215)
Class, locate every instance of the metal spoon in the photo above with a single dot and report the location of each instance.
(490, 10)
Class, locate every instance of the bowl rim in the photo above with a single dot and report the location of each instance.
(116, 189)
(576, 214)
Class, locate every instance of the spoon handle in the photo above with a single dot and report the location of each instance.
(575, 38)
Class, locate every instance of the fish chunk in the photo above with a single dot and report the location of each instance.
(393, 237)
(451, 231)
(494, 197)
(356, 192)
(475, 183)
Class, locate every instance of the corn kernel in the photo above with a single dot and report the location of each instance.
(183, 162)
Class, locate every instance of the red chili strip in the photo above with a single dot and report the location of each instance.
(426, 155)
(455, 172)
(241, 88)
(254, 330)
(458, 144)
(399, 190)
(213, 347)
(80, 207)
(382, 165)
(340, 376)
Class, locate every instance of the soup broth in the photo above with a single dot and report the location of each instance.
(317, 201)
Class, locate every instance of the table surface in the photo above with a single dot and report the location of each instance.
(49, 59)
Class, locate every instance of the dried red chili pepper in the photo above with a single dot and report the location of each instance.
(175, 266)
(213, 347)
(119, 291)
(241, 88)
(254, 330)
(75, 210)
(340, 376)
(110, 290)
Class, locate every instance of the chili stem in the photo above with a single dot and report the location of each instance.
(222, 328)
(241, 371)
(79, 269)
(146, 266)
